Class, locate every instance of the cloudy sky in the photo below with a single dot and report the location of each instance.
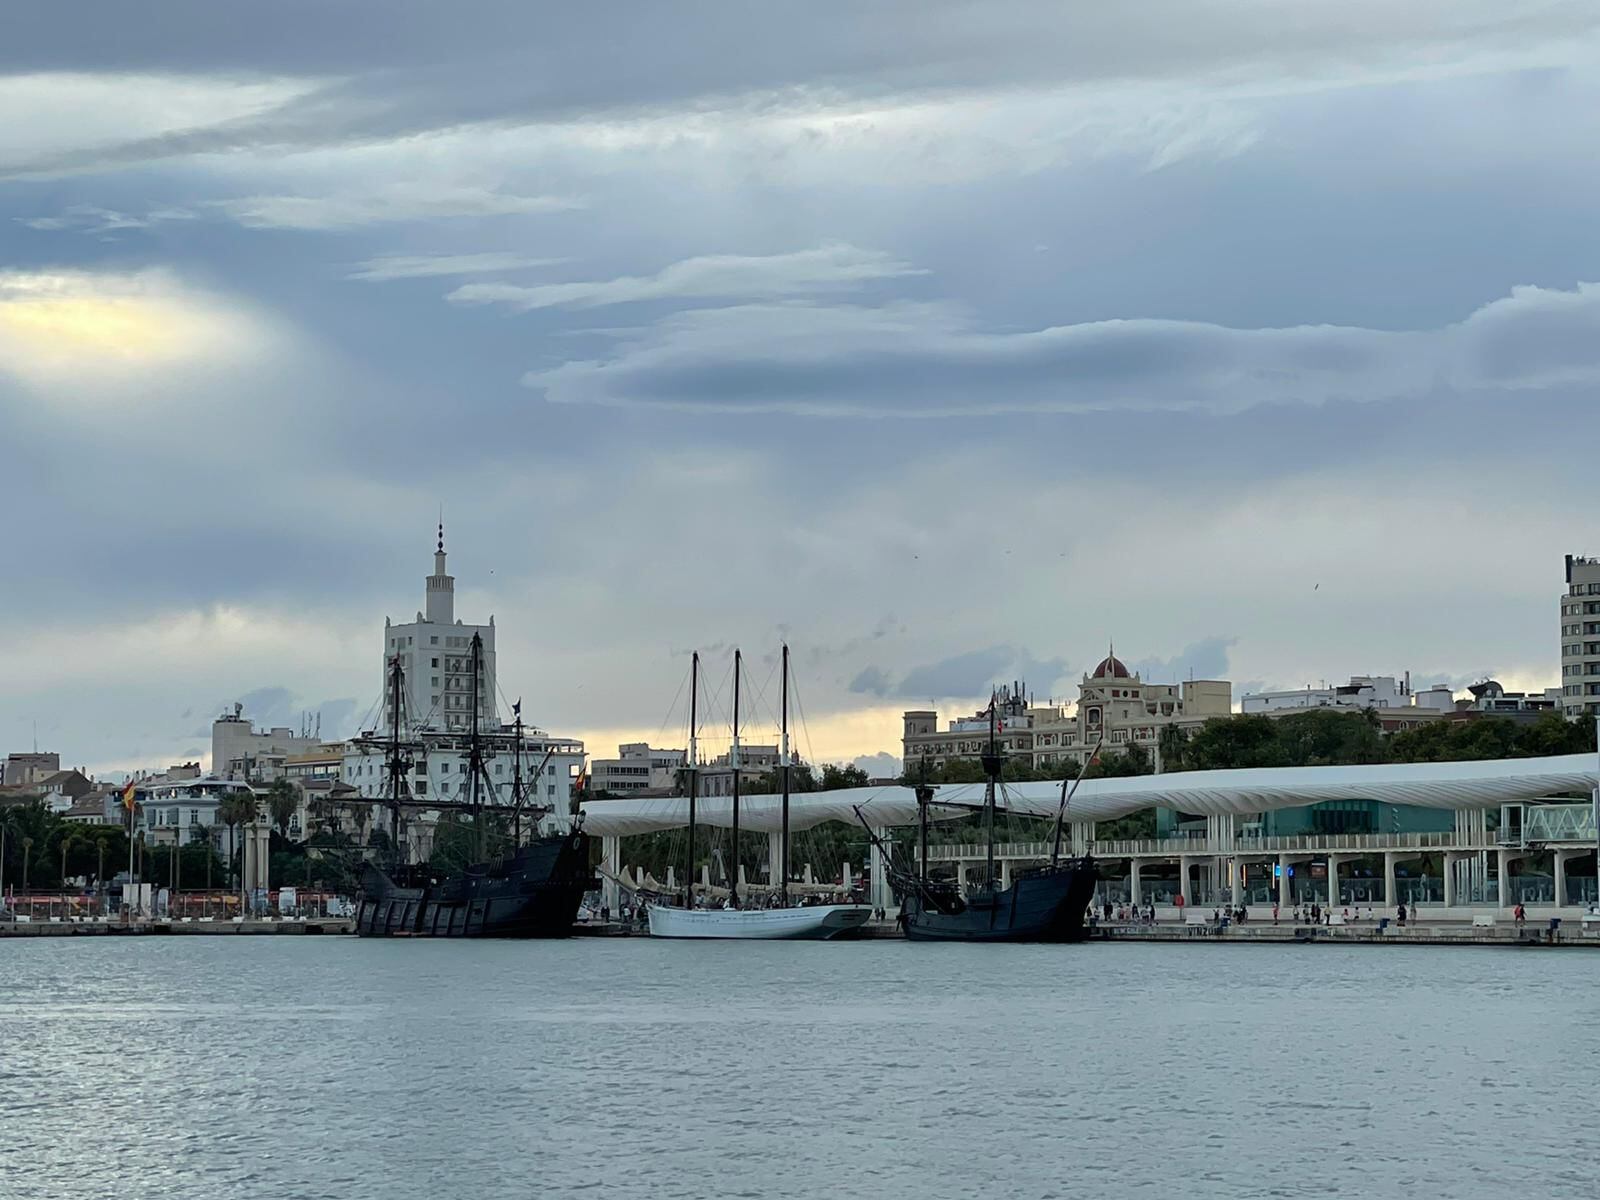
(949, 340)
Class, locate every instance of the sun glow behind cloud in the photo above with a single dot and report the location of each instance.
(66, 324)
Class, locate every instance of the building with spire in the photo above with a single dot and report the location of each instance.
(435, 652)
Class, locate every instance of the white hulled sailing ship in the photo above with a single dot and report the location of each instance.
(739, 918)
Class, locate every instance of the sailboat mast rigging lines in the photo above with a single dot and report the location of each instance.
(992, 764)
(397, 763)
(733, 759)
(783, 767)
(692, 770)
(738, 918)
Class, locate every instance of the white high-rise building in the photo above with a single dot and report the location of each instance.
(1580, 637)
(435, 654)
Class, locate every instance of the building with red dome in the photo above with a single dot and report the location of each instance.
(1115, 709)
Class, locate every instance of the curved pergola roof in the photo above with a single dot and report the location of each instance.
(1449, 785)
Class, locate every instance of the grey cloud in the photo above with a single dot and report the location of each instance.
(963, 675)
(882, 765)
(278, 706)
(872, 681)
(913, 360)
(504, 62)
(423, 266)
(89, 218)
(1205, 659)
(396, 202)
(832, 267)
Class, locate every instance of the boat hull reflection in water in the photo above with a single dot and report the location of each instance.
(1044, 906)
(818, 922)
(532, 893)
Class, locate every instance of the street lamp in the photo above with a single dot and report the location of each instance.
(27, 847)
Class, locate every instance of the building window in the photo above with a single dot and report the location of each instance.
(433, 641)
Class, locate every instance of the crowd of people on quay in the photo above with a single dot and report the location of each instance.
(1312, 913)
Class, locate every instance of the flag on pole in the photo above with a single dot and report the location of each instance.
(127, 795)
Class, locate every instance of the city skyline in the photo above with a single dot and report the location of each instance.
(949, 343)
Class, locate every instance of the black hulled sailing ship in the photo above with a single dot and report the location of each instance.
(531, 890)
(1042, 904)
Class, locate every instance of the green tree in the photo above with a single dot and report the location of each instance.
(236, 809)
(835, 776)
(1239, 741)
(1135, 760)
(282, 802)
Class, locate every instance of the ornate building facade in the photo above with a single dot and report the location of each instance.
(1115, 709)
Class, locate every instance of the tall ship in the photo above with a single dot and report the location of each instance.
(514, 886)
(742, 917)
(1042, 904)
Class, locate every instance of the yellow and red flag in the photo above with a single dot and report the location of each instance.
(127, 796)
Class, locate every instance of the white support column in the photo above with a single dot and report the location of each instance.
(1333, 881)
(881, 896)
(1137, 895)
(1450, 879)
(775, 858)
(1558, 869)
(1389, 859)
(1285, 885)
(1183, 878)
(1082, 837)
(1503, 882)
(1238, 881)
(1005, 873)
(611, 856)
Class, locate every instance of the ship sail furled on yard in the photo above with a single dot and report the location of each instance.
(524, 889)
(740, 918)
(1042, 904)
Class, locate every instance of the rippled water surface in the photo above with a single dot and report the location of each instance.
(275, 1068)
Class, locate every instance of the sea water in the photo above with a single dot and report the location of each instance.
(305, 1067)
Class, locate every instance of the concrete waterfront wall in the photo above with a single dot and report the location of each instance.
(163, 928)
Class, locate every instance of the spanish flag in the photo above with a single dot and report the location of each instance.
(127, 796)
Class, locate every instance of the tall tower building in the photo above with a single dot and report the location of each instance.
(1580, 637)
(435, 651)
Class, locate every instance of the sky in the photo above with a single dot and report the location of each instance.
(951, 342)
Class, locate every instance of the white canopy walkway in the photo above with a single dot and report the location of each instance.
(1448, 785)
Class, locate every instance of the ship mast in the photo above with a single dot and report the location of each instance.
(692, 771)
(991, 769)
(924, 796)
(733, 758)
(396, 765)
(516, 776)
(475, 767)
(783, 766)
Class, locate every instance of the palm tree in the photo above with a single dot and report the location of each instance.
(67, 842)
(283, 801)
(233, 810)
(27, 848)
(6, 827)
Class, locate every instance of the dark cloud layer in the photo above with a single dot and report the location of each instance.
(1212, 305)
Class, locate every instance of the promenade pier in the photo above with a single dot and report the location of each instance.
(114, 927)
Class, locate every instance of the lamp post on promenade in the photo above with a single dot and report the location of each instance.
(1596, 804)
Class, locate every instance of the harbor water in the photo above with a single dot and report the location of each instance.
(276, 1069)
